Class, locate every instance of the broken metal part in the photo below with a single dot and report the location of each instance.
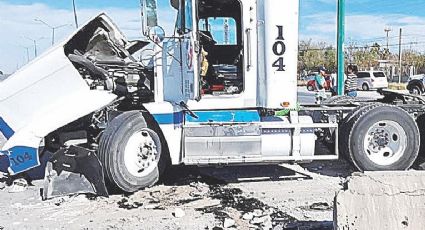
(96, 72)
(18, 185)
(134, 46)
(74, 170)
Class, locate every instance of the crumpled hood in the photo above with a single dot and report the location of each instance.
(45, 95)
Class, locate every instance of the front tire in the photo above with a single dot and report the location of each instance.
(381, 138)
(310, 88)
(132, 152)
(365, 87)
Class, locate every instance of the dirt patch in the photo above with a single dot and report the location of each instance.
(254, 197)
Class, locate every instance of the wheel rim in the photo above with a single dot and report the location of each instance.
(385, 142)
(141, 154)
(415, 91)
(365, 87)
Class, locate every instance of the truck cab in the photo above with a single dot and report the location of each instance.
(228, 63)
(222, 51)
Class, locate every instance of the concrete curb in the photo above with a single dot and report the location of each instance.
(381, 200)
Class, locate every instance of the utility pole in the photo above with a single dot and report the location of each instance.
(53, 28)
(400, 53)
(387, 30)
(387, 52)
(35, 49)
(28, 54)
(35, 44)
(340, 45)
(75, 14)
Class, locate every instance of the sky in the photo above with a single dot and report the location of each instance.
(365, 23)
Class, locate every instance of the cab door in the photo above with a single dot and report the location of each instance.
(190, 50)
(178, 80)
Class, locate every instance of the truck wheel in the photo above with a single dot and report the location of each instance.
(415, 90)
(131, 152)
(347, 124)
(381, 137)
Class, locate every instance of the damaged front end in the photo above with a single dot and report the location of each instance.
(62, 101)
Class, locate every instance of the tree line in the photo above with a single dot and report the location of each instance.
(314, 54)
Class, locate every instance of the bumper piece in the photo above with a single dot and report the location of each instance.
(74, 170)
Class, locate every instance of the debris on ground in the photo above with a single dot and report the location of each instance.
(252, 213)
(320, 206)
(178, 213)
(248, 216)
(207, 201)
(18, 185)
(162, 197)
(228, 223)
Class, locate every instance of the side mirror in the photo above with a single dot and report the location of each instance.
(156, 34)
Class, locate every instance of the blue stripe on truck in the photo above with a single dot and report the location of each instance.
(209, 116)
(169, 118)
(5, 129)
(243, 116)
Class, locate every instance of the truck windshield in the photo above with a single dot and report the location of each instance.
(222, 29)
(151, 13)
(184, 23)
(188, 19)
(179, 25)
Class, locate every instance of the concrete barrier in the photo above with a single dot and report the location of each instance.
(381, 200)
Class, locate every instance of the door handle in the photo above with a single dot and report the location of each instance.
(249, 51)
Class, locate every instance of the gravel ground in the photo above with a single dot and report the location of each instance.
(257, 197)
(287, 196)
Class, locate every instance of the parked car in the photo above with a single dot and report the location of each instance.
(309, 76)
(404, 79)
(367, 80)
(311, 84)
(416, 84)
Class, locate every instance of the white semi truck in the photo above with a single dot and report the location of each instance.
(206, 97)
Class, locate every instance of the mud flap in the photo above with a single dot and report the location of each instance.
(74, 170)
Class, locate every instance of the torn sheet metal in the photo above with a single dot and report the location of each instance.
(45, 95)
(74, 170)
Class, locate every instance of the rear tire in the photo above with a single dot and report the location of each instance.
(415, 90)
(365, 87)
(310, 88)
(380, 137)
(132, 153)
